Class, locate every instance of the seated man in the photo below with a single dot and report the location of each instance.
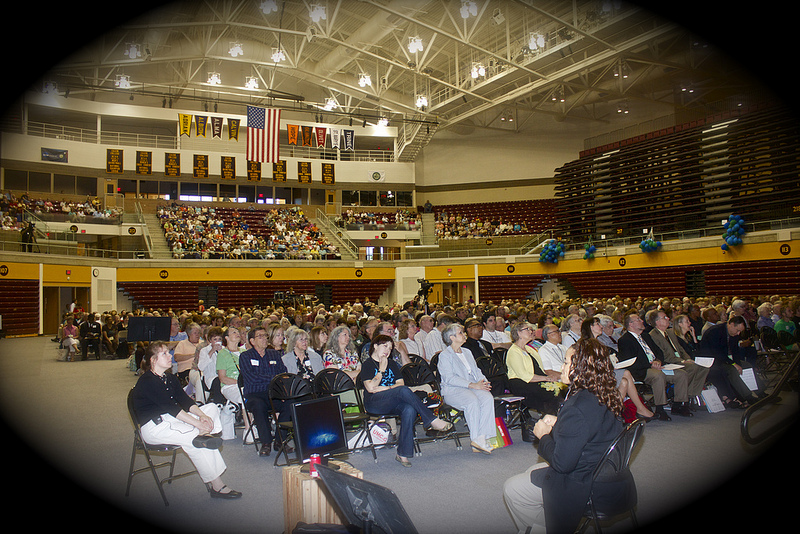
(674, 352)
(498, 338)
(90, 332)
(553, 351)
(786, 324)
(634, 343)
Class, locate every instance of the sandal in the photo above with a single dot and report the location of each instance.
(230, 494)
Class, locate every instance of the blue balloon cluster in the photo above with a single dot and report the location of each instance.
(551, 251)
(590, 250)
(650, 245)
(734, 230)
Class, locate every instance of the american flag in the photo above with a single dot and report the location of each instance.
(263, 127)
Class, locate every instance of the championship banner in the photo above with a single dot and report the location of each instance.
(228, 167)
(114, 160)
(200, 167)
(216, 127)
(328, 177)
(233, 129)
(200, 124)
(307, 135)
(172, 164)
(185, 122)
(322, 135)
(336, 135)
(349, 139)
(304, 172)
(279, 171)
(253, 171)
(144, 162)
(291, 132)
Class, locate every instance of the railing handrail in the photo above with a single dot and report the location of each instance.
(769, 400)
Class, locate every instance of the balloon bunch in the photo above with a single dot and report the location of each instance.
(590, 250)
(734, 230)
(650, 245)
(551, 251)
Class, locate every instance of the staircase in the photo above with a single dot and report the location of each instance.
(338, 236)
(428, 234)
(415, 136)
(159, 248)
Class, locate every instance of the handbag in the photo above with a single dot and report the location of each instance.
(503, 438)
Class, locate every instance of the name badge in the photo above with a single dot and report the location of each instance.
(273, 362)
(254, 363)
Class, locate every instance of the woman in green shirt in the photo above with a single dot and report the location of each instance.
(228, 367)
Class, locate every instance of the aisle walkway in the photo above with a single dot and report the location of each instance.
(73, 416)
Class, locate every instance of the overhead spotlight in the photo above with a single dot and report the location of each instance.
(278, 55)
(330, 104)
(498, 17)
(383, 121)
(269, 6)
(478, 70)
(414, 44)
(236, 50)
(123, 81)
(251, 83)
(622, 108)
(536, 41)
(133, 51)
(214, 78)
(318, 12)
(468, 8)
(364, 80)
(422, 101)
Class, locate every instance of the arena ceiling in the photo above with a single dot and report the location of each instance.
(588, 61)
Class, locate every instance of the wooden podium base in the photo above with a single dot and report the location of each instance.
(304, 498)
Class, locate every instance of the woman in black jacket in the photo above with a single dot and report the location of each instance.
(552, 495)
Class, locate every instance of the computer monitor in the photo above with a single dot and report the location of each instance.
(149, 328)
(319, 427)
(366, 506)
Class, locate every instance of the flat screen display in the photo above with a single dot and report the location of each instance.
(319, 427)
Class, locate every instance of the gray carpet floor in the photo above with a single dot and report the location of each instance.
(70, 435)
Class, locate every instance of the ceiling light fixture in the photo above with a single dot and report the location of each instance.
(383, 121)
(536, 41)
(478, 70)
(414, 44)
(278, 55)
(123, 81)
(269, 6)
(133, 51)
(318, 12)
(364, 80)
(422, 101)
(330, 104)
(214, 78)
(251, 83)
(236, 50)
(468, 7)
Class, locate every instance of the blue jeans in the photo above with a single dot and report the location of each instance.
(405, 403)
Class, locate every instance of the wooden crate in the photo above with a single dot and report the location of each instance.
(304, 498)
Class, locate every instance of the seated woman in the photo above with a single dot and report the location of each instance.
(684, 332)
(464, 387)
(385, 393)
(168, 416)
(553, 494)
(318, 339)
(228, 368)
(185, 352)
(592, 328)
(276, 337)
(299, 359)
(69, 338)
(406, 333)
(110, 336)
(525, 375)
(340, 352)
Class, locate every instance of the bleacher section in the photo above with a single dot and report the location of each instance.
(19, 307)
(518, 217)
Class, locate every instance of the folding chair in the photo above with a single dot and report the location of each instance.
(614, 467)
(510, 406)
(140, 445)
(286, 388)
(421, 374)
(333, 381)
(246, 415)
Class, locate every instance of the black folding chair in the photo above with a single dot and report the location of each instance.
(139, 445)
(511, 408)
(246, 416)
(333, 381)
(421, 374)
(614, 467)
(283, 389)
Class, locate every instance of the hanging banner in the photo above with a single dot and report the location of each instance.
(328, 177)
(291, 132)
(322, 135)
(216, 127)
(172, 164)
(200, 167)
(228, 168)
(185, 122)
(304, 172)
(144, 162)
(253, 171)
(336, 136)
(279, 171)
(233, 129)
(114, 160)
(307, 134)
(200, 124)
(349, 139)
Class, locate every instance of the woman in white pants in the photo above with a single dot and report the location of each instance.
(168, 416)
(464, 387)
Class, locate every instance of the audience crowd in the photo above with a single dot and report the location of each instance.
(463, 227)
(401, 219)
(13, 208)
(200, 232)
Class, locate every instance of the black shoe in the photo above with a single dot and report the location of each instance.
(661, 415)
(266, 448)
(230, 494)
(207, 442)
(682, 409)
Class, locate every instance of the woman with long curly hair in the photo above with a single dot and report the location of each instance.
(552, 495)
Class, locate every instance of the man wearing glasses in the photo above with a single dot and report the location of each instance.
(258, 366)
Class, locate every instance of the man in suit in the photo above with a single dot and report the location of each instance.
(721, 342)
(635, 343)
(89, 332)
(481, 348)
(674, 352)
